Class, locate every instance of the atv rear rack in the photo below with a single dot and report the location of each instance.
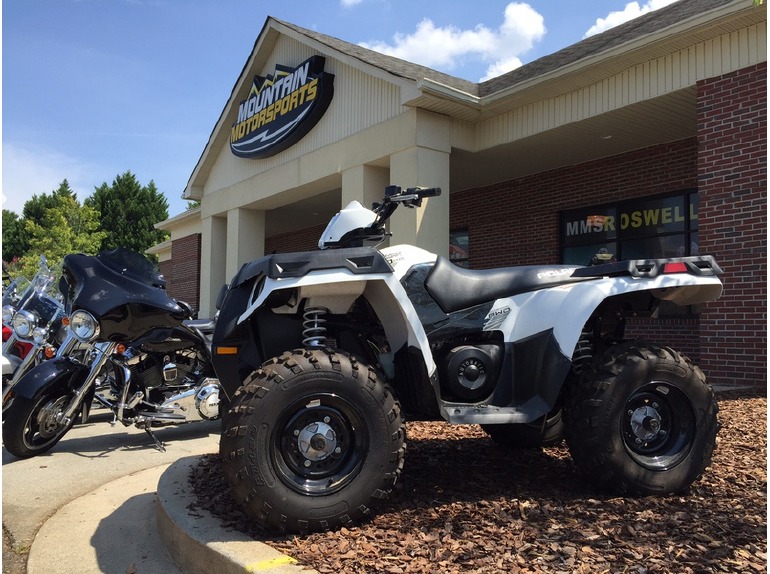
(703, 265)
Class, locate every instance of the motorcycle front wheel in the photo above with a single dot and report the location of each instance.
(312, 441)
(31, 426)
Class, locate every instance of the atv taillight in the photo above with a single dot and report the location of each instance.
(675, 268)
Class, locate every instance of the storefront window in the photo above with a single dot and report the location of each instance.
(458, 247)
(645, 228)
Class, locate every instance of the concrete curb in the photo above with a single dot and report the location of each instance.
(196, 539)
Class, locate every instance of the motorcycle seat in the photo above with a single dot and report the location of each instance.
(202, 325)
(455, 288)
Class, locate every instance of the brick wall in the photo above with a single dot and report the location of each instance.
(183, 277)
(732, 180)
(517, 222)
(302, 240)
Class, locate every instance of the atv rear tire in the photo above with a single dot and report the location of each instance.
(642, 420)
(312, 441)
(546, 431)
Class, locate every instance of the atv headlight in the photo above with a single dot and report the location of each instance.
(39, 335)
(84, 326)
(23, 323)
(8, 311)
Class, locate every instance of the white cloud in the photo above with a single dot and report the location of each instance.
(444, 47)
(349, 3)
(631, 11)
(28, 172)
(501, 67)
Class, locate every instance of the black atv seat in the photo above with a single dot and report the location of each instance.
(455, 288)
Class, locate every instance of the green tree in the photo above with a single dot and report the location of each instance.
(65, 227)
(16, 235)
(15, 242)
(129, 212)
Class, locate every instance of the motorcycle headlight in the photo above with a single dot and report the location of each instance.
(39, 335)
(23, 323)
(8, 311)
(84, 326)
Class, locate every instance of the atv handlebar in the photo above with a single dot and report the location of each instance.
(395, 193)
(395, 196)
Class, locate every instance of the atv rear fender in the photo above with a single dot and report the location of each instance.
(567, 308)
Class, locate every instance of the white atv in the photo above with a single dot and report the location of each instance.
(322, 355)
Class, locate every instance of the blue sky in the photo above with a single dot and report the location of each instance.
(93, 88)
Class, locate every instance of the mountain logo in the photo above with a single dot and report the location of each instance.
(281, 109)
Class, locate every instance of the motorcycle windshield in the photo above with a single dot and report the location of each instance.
(15, 291)
(122, 290)
(133, 265)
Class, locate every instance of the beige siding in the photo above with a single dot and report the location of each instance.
(646, 81)
(360, 101)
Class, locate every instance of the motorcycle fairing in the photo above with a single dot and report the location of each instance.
(125, 306)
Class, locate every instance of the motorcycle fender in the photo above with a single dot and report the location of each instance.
(49, 375)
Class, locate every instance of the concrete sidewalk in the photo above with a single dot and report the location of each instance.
(140, 524)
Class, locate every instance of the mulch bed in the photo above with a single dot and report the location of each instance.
(466, 505)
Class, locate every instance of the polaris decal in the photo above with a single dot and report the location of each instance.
(555, 273)
(495, 318)
(281, 109)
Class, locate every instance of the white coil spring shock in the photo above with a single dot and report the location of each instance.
(582, 356)
(314, 332)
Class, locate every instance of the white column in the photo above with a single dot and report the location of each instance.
(426, 226)
(212, 277)
(365, 184)
(245, 237)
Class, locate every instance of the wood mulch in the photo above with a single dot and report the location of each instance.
(466, 505)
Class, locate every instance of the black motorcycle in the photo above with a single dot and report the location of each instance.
(146, 360)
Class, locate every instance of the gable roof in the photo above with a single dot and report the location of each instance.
(614, 37)
(464, 98)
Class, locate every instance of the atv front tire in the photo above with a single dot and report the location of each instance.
(642, 421)
(312, 441)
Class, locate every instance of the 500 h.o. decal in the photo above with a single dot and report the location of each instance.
(281, 109)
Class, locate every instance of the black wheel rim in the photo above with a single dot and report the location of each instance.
(44, 424)
(319, 444)
(658, 426)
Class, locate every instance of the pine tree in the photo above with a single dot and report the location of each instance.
(128, 213)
